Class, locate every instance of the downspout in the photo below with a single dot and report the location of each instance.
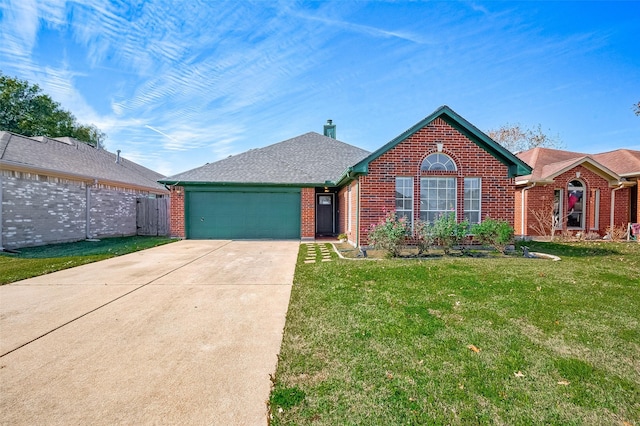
(613, 203)
(358, 213)
(88, 209)
(522, 208)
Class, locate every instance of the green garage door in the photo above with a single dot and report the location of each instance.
(243, 214)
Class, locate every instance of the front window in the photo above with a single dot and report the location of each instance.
(404, 198)
(557, 208)
(437, 197)
(472, 200)
(575, 205)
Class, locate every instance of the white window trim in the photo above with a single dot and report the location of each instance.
(596, 210)
(479, 179)
(583, 225)
(561, 215)
(410, 179)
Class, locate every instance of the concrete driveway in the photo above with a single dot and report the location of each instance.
(186, 333)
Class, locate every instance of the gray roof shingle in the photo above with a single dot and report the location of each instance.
(67, 156)
(310, 158)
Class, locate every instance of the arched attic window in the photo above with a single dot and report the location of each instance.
(438, 162)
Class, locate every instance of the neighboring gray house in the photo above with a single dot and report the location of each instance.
(58, 190)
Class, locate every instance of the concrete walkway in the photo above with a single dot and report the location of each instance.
(186, 333)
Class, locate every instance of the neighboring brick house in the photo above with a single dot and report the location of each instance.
(588, 193)
(59, 190)
(314, 185)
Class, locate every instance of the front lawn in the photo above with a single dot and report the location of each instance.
(464, 340)
(34, 261)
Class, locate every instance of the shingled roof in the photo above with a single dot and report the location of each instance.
(547, 163)
(625, 162)
(308, 159)
(73, 159)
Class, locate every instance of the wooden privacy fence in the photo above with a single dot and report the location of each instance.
(152, 216)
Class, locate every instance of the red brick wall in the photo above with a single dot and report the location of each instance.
(377, 191)
(343, 202)
(622, 208)
(176, 213)
(344, 195)
(517, 217)
(637, 189)
(308, 213)
(540, 196)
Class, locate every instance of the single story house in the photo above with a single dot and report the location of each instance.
(60, 190)
(314, 185)
(588, 193)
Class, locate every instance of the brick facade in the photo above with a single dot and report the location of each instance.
(176, 212)
(377, 188)
(348, 202)
(308, 213)
(38, 209)
(596, 208)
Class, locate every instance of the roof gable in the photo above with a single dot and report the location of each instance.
(308, 159)
(548, 163)
(515, 165)
(72, 158)
(551, 171)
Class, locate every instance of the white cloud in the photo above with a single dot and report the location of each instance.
(19, 27)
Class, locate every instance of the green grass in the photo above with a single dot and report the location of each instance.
(34, 261)
(388, 342)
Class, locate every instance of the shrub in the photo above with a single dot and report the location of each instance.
(424, 236)
(390, 234)
(617, 233)
(495, 233)
(448, 233)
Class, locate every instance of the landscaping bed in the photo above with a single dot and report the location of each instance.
(460, 340)
(34, 261)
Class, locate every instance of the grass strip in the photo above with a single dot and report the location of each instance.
(35, 261)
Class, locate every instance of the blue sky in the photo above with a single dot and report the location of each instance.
(178, 84)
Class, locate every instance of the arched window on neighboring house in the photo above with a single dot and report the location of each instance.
(575, 205)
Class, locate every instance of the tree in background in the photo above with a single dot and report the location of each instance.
(636, 108)
(517, 138)
(25, 110)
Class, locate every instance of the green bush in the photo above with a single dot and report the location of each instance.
(389, 234)
(495, 233)
(447, 232)
(424, 237)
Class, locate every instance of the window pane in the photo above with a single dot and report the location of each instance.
(472, 217)
(472, 196)
(438, 197)
(404, 198)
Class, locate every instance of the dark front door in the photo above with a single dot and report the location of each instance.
(325, 214)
